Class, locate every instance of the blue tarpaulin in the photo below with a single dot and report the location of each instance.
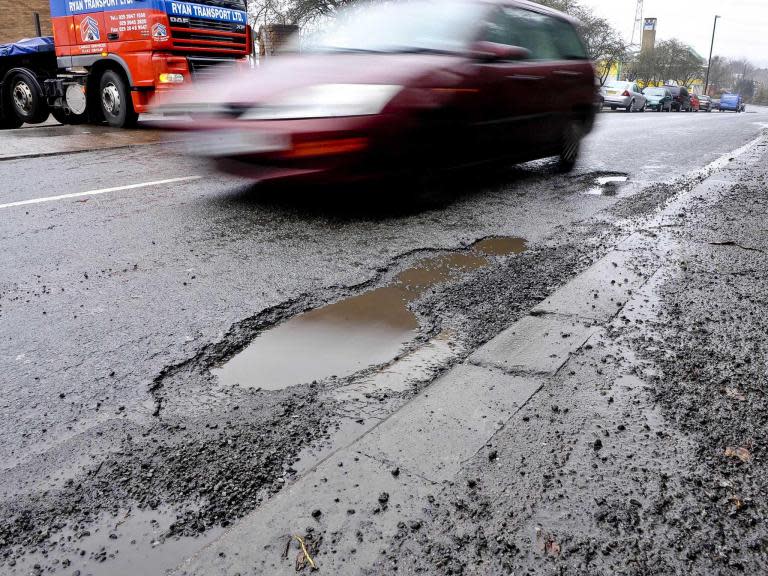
(27, 46)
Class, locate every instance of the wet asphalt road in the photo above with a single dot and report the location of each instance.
(102, 295)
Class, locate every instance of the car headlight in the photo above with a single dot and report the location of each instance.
(325, 101)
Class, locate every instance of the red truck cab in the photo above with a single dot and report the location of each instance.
(113, 58)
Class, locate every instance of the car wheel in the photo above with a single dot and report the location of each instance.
(116, 103)
(613, 107)
(631, 106)
(570, 147)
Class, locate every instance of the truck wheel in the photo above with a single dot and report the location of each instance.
(116, 103)
(26, 98)
(10, 121)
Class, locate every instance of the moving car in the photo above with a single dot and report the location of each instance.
(705, 103)
(658, 98)
(681, 99)
(621, 94)
(403, 88)
(695, 103)
(732, 102)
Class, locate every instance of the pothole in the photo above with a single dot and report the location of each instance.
(607, 185)
(360, 331)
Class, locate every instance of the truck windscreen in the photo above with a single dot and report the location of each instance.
(231, 4)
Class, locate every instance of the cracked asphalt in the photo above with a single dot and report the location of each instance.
(121, 451)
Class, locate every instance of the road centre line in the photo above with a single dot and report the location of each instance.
(100, 191)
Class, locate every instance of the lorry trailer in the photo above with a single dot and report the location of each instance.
(109, 60)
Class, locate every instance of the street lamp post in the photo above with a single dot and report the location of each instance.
(711, 47)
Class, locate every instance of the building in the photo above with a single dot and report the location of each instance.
(19, 21)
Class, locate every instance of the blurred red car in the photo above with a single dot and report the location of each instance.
(397, 88)
(695, 103)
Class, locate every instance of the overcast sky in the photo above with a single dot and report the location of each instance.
(742, 32)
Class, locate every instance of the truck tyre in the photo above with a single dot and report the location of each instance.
(115, 99)
(25, 98)
(9, 121)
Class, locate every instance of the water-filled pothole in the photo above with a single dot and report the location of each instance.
(344, 337)
(607, 185)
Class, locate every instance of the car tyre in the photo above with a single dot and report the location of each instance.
(570, 147)
(631, 106)
(115, 99)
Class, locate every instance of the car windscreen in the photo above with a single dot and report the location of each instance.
(615, 84)
(654, 91)
(419, 26)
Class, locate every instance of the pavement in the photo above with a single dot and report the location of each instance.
(131, 275)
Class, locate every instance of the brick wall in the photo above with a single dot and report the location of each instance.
(17, 22)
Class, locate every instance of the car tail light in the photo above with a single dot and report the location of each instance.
(313, 148)
(626, 93)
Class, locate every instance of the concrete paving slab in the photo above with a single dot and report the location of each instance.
(601, 290)
(445, 425)
(346, 490)
(535, 344)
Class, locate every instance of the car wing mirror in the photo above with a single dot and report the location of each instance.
(493, 51)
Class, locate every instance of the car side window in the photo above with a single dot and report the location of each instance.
(532, 31)
(567, 40)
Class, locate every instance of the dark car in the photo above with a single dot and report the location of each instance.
(715, 103)
(681, 98)
(402, 88)
(705, 102)
(658, 98)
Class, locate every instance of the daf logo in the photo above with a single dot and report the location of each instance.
(89, 30)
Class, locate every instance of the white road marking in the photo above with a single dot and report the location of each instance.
(96, 192)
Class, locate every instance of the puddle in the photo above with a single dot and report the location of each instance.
(606, 185)
(347, 336)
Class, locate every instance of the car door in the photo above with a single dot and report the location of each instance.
(571, 75)
(528, 100)
(513, 92)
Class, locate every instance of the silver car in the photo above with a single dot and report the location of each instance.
(625, 95)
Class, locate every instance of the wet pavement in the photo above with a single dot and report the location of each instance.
(51, 138)
(123, 315)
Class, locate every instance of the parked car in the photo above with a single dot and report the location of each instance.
(705, 103)
(695, 103)
(732, 102)
(681, 98)
(624, 95)
(658, 98)
(403, 87)
(715, 103)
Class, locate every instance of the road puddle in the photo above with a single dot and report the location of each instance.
(606, 185)
(347, 336)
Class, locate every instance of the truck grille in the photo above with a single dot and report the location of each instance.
(195, 36)
(207, 68)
